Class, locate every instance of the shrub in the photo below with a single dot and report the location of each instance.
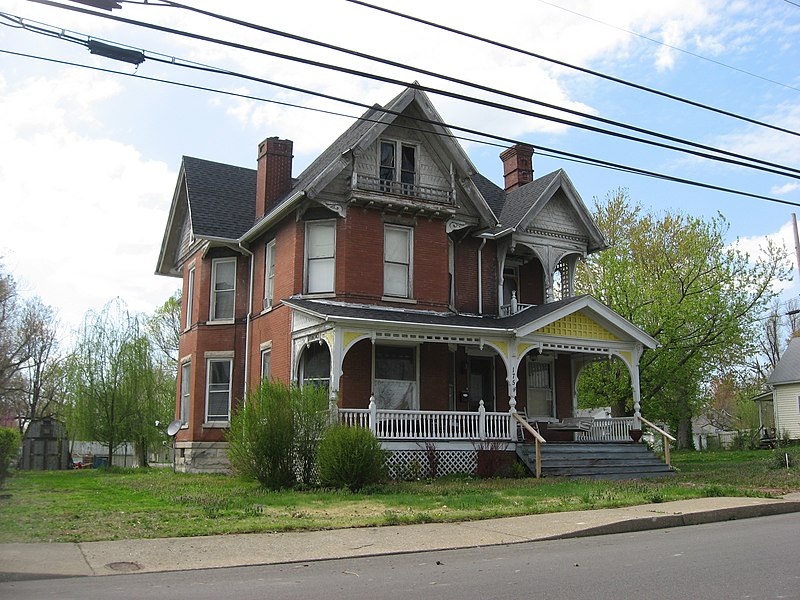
(9, 447)
(350, 457)
(262, 435)
(309, 406)
(783, 458)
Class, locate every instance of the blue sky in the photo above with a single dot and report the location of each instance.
(88, 160)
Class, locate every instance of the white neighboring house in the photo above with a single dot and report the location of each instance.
(784, 382)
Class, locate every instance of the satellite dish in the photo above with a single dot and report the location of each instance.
(174, 427)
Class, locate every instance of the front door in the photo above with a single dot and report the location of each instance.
(481, 383)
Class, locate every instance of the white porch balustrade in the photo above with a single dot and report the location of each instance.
(607, 430)
(394, 425)
(431, 424)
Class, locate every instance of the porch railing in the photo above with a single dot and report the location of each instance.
(430, 424)
(607, 430)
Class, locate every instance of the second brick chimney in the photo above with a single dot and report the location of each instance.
(517, 166)
(274, 175)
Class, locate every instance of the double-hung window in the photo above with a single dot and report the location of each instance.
(189, 297)
(223, 288)
(269, 275)
(320, 256)
(218, 389)
(398, 163)
(395, 382)
(397, 259)
(186, 372)
(266, 356)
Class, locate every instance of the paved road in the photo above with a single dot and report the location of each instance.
(752, 558)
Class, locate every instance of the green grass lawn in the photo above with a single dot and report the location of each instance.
(101, 504)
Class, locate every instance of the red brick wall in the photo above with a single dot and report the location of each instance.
(433, 384)
(359, 259)
(531, 282)
(355, 386)
(466, 276)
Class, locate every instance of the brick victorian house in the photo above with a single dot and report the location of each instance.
(431, 303)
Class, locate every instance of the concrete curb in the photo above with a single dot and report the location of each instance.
(39, 561)
(681, 520)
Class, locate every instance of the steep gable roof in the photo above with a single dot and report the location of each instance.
(358, 137)
(211, 201)
(525, 203)
(222, 198)
(788, 368)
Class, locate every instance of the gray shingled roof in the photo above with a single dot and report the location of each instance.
(788, 368)
(221, 197)
(335, 309)
(494, 195)
(519, 201)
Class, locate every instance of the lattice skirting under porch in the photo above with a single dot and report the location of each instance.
(416, 464)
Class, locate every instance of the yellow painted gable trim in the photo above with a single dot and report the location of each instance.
(578, 326)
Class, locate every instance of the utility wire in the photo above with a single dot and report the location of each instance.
(470, 84)
(599, 74)
(543, 150)
(676, 48)
(773, 168)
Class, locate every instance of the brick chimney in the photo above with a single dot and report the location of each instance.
(517, 166)
(274, 176)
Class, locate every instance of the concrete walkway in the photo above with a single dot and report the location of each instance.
(40, 560)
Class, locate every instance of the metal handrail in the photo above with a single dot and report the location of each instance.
(538, 439)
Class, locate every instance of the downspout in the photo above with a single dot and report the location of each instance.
(247, 322)
(480, 277)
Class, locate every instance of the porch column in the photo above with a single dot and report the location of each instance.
(637, 395)
(334, 340)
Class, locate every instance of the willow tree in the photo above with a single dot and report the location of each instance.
(116, 386)
(676, 277)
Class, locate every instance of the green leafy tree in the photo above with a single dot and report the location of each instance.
(674, 276)
(164, 328)
(116, 386)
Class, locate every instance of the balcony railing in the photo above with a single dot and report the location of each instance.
(426, 193)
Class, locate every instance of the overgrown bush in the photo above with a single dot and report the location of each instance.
(783, 458)
(274, 435)
(261, 436)
(9, 447)
(350, 457)
(309, 404)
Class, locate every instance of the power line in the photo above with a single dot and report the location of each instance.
(543, 150)
(671, 47)
(752, 164)
(474, 85)
(599, 74)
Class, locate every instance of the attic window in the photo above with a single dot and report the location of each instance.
(398, 163)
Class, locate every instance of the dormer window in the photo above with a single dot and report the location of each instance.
(398, 165)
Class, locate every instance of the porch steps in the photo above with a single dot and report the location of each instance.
(595, 460)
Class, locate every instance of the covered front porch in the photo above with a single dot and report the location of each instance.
(459, 383)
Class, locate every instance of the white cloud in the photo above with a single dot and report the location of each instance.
(83, 214)
(754, 247)
(787, 188)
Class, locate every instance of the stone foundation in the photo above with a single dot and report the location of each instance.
(202, 457)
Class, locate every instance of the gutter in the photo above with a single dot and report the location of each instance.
(248, 322)
(480, 276)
